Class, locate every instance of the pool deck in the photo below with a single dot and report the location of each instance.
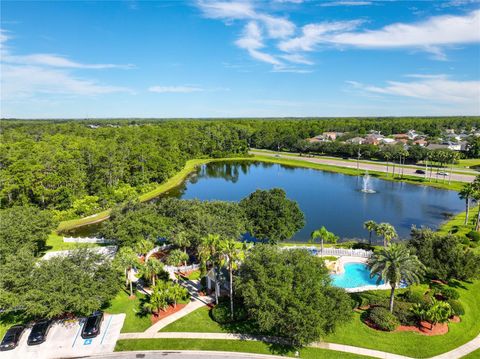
(349, 259)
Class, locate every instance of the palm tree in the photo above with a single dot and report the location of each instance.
(158, 299)
(370, 226)
(127, 259)
(208, 251)
(394, 264)
(144, 246)
(232, 252)
(151, 268)
(324, 235)
(176, 257)
(176, 292)
(467, 192)
(387, 231)
(181, 240)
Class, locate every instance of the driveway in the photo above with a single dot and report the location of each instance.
(64, 341)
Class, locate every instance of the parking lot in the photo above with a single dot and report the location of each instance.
(64, 341)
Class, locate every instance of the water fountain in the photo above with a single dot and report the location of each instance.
(366, 188)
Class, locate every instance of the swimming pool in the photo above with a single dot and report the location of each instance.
(355, 275)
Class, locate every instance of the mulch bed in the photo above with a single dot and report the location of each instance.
(165, 313)
(424, 328)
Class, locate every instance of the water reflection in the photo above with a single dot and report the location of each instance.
(329, 199)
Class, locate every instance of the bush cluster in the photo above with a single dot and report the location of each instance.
(457, 307)
(383, 319)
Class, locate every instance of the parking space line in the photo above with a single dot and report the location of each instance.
(78, 332)
(106, 329)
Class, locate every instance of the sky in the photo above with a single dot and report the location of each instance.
(216, 58)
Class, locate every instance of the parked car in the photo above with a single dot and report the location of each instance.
(12, 337)
(443, 173)
(420, 172)
(91, 328)
(39, 332)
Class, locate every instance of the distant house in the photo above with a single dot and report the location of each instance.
(445, 146)
(401, 136)
(421, 142)
(93, 126)
(388, 141)
(412, 134)
(316, 139)
(373, 139)
(356, 140)
(330, 135)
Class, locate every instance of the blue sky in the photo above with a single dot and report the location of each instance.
(209, 58)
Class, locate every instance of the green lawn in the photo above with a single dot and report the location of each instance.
(456, 225)
(473, 355)
(468, 163)
(134, 320)
(226, 345)
(358, 334)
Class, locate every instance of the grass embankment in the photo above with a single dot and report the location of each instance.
(135, 321)
(356, 333)
(228, 346)
(454, 185)
(473, 355)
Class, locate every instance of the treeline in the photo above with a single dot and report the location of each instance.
(80, 167)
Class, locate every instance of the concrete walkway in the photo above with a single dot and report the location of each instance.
(462, 350)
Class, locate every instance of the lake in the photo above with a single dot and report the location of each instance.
(330, 199)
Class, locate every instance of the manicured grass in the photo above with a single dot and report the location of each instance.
(198, 321)
(135, 321)
(468, 163)
(456, 186)
(456, 226)
(473, 355)
(227, 345)
(55, 243)
(356, 333)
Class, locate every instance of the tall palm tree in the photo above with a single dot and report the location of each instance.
(151, 268)
(394, 264)
(370, 226)
(176, 292)
(158, 299)
(144, 246)
(208, 251)
(181, 240)
(467, 192)
(232, 252)
(387, 231)
(324, 235)
(176, 257)
(127, 259)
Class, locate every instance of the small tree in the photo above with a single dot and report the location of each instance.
(158, 299)
(467, 193)
(370, 226)
(126, 259)
(182, 241)
(324, 235)
(232, 252)
(438, 312)
(151, 268)
(143, 246)
(387, 231)
(394, 264)
(176, 257)
(176, 292)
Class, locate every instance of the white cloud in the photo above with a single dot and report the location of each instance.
(175, 89)
(297, 59)
(313, 34)
(346, 3)
(56, 61)
(437, 88)
(27, 81)
(29, 75)
(430, 34)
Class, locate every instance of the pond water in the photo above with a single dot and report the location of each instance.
(354, 275)
(330, 199)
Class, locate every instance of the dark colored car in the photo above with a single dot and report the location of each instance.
(91, 328)
(420, 172)
(12, 337)
(39, 332)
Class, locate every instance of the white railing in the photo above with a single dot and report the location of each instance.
(88, 240)
(157, 249)
(183, 268)
(336, 251)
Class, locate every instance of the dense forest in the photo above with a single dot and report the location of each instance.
(78, 167)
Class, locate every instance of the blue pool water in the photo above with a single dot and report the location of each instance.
(355, 275)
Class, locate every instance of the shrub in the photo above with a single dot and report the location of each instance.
(457, 307)
(383, 319)
(447, 292)
(403, 312)
(474, 236)
(415, 294)
(221, 312)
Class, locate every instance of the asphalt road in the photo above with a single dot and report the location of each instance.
(367, 166)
